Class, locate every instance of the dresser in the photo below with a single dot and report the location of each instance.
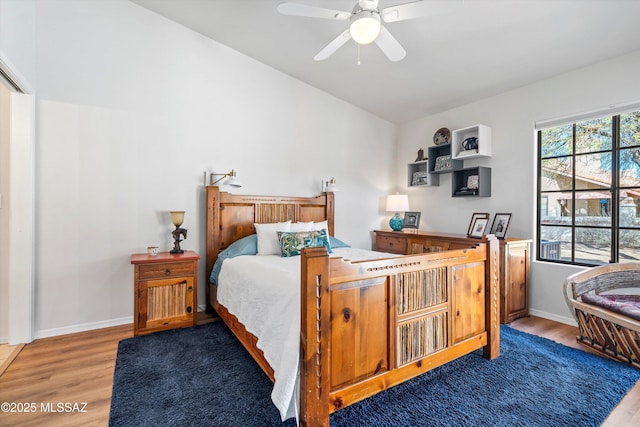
(514, 262)
(165, 291)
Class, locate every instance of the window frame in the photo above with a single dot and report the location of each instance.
(615, 188)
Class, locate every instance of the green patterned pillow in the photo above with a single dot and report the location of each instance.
(291, 243)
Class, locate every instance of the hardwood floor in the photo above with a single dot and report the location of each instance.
(7, 354)
(68, 369)
(78, 369)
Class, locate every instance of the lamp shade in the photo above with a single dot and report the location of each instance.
(331, 186)
(233, 181)
(177, 218)
(397, 203)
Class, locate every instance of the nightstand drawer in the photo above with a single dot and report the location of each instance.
(155, 271)
(395, 245)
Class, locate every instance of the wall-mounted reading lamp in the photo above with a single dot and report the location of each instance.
(232, 181)
(330, 186)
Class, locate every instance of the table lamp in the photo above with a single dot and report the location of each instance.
(397, 203)
(177, 218)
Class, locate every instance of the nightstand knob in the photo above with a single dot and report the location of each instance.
(188, 309)
(167, 271)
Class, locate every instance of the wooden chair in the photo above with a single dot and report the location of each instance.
(606, 332)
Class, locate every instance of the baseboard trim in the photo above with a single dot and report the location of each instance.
(46, 333)
(561, 319)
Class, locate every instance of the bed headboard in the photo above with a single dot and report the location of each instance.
(231, 217)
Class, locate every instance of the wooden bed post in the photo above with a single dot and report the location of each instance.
(314, 338)
(492, 297)
(329, 212)
(212, 236)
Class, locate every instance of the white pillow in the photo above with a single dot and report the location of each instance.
(268, 237)
(301, 226)
(322, 225)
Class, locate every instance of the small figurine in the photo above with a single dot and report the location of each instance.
(420, 155)
(176, 240)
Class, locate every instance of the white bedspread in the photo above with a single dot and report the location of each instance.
(263, 292)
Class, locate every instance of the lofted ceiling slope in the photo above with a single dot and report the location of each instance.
(483, 48)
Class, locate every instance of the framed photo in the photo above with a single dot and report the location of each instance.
(500, 225)
(442, 163)
(478, 227)
(411, 220)
(473, 218)
(420, 178)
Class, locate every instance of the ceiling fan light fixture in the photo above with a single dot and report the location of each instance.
(365, 27)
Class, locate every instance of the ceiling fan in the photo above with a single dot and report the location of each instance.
(366, 22)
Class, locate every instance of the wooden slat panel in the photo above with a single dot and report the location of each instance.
(417, 290)
(421, 337)
(269, 213)
(167, 301)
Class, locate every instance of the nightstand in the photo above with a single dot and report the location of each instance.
(165, 291)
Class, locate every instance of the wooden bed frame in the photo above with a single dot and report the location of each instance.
(366, 326)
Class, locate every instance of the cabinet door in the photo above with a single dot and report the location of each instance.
(165, 301)
(468, 300)
(516, 272)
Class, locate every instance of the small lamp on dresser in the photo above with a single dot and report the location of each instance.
(397, 203)
(177, 218)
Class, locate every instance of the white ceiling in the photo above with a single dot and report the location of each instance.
(484, 48)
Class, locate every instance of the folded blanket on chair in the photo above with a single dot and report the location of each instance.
(627, 305)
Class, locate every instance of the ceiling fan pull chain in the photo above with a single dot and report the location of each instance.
(358, 45)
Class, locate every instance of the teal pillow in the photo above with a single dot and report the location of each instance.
(246, 246)
(291, 243)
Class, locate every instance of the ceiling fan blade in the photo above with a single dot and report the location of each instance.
(335, 44)
(312, 11)
(390, 46)
(419, 9)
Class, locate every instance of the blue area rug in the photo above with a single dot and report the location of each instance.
(202, 376)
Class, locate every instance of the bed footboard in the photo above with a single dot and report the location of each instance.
(367, 326)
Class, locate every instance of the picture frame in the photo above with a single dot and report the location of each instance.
(500, 225)
(478, 228)
(473, 218)
(442, 163)
(411, 220)
(420, 178)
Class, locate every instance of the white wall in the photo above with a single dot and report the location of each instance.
(17, 35)
(512, 116)
(132, 109)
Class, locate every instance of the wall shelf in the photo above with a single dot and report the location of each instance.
(458, 137)
(460, 182)
(449, 158)
(441, 151)
(418, 175)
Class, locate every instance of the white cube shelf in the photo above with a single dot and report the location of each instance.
(458, 136)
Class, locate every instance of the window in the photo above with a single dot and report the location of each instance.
(589, 191)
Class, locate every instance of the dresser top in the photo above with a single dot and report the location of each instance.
(164, 257)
